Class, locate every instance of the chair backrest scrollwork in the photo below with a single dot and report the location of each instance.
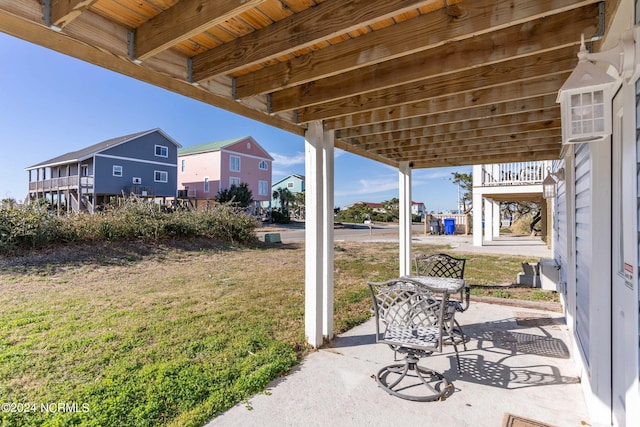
(440, 265)
(408, 306)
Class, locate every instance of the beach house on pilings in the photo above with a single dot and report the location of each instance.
(142, 164)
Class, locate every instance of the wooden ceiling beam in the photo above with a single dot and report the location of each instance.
(64, 11)
(423, 136)
(491, 48)
(442, 111)
(509, 92)
(534, 147)
(414, 35)
(362, 153)
(417, 144)
(431, 118)
(90, 51)
(521, 69)
(316, 24)
(528, 120)
(484, 159)
(184, 20)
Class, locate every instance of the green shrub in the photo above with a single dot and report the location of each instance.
(34, 226)
(279, 217)
(228, 223)
(183, 224)
(27, 227)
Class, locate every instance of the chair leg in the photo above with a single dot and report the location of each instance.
(459, 329)
(451, 331)
(392, 378)
(455, 348)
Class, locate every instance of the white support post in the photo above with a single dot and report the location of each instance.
(496, 219)
(488, 220)
(314, 235)
(327, 237)
(405, 218)
(477, 205)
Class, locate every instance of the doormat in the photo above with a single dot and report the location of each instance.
(511, 420)
(531, 320)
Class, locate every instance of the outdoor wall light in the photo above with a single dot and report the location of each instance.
(585, 98)
(549, 185)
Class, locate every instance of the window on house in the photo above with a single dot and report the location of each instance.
(183, 165)
(117, 170)
(160, 176)
(234, 164)
(162, 151)
(234, 180)
(263, 165)
(263, 188)
(206, 184)
(289, 184)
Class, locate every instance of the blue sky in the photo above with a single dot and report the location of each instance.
(52, 104)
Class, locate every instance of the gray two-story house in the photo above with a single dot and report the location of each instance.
(143, 164)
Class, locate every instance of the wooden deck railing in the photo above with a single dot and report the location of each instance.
(61, 183)
(139, 190)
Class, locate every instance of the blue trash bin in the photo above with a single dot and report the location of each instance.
(449, 226)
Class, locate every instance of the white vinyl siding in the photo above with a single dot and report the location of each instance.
(160, 176)
(583, 244)
(263, 188)
(638, 193)
(234, 163)
(117, 170)
(162, 151)
(560, 227)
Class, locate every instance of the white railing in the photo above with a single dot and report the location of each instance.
(523, 173)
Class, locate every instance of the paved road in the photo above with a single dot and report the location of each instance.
(356, 232)
(509, 245)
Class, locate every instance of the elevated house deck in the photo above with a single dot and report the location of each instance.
(72, 192)
(505, 182)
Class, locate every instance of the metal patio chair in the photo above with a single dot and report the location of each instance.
(443, 265)
(410, 320)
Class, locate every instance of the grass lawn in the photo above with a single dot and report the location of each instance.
(139, 335)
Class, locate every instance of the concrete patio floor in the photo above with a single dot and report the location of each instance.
(517, 361)
(505, 244)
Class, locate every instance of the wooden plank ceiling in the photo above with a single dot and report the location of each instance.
(433, 82)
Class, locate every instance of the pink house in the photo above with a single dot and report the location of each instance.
(206, 169)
